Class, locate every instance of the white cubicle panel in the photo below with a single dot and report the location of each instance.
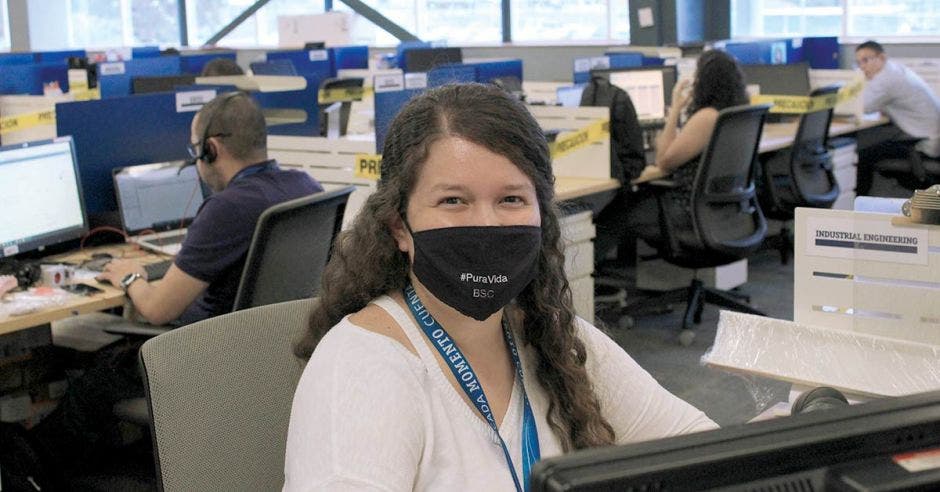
(329, 161)
(15, 105)
(875, 274)
(542, 92)
(591, 161)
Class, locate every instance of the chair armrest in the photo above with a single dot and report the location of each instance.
(657, 185)
(138, 331)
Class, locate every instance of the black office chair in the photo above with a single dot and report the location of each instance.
(802, 175)
(916, 172)
(290, 248)
(726, 223)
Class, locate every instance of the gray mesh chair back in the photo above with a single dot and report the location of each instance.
(220, 393)
(725, 213)
(290, 248)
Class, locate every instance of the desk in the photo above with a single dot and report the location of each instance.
(571, 188)
(777, 136)
(112, 297)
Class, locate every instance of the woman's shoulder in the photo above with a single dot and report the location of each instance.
(369, 333)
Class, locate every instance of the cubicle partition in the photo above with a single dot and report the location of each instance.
(123, 131)
(818, 52)
(193, 64)
(115, 78)
(30, 78)
(583, 66)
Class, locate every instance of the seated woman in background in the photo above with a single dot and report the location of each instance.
(445, 293)
(719, 84)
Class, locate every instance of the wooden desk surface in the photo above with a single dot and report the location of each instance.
(111, 297)
(778, 136)
(571, 188)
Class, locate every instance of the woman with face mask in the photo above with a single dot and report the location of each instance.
(444, 353)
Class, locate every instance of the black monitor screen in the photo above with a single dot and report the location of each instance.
(424, 59)
(650, 88)
(41, 194)
(881, 445)
(169, 83)
(790, 80)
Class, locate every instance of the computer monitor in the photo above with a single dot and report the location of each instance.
(879, 445)
(163, 83)
(650, 88)
(569, 97)
(424, 59)
(157, 197)
(790, 80)
(41, 194)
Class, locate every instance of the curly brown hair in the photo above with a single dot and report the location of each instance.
(366, 262)
(719, 82)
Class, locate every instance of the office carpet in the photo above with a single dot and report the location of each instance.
(725, 397)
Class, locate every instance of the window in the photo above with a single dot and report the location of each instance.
(869, 18)
(4, 26)
(552, 20)
(453, 21)
(205, 18)
(852, 18)
(113, 23)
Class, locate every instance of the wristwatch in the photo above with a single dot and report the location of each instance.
(129, 279)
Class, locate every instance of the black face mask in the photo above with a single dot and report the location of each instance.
(477, 270)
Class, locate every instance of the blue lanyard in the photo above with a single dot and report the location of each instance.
(464, 374)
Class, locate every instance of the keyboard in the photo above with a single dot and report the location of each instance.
(156, 270)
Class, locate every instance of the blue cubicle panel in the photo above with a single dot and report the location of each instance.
(489, 70)
(59, 56)
(121, 131)
(16, 58)
(387, 105)
(452, 74)
(145, 52)
(615, 59)
(766, 52)
(305, 99)
(114, 78)
(349, 57)
(273, 67)
(407, 45)
(30, 78)
(314, 63)
(821, 52)
(192, 64)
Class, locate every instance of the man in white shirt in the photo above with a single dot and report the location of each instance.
(903, 96)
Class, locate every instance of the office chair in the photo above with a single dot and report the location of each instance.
(220, 392)
(290, 248)
(916, 172)
(288, 252)
(273, 67)
(800, 176)
(726, 223)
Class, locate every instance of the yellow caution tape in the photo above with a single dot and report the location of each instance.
(807, 104)
(368, 166)
(84, 94)
(341, 94)
(583, 137)
(23, 121)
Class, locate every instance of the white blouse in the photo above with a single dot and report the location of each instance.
(369, 415)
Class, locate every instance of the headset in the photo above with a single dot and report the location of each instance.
(206, 153)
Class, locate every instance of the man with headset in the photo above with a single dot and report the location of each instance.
(229, 149)
(228, 144)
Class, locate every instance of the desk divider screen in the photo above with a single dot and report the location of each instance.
(121, 131)
(115, 78)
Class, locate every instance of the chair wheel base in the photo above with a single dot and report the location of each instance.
(686, 337)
